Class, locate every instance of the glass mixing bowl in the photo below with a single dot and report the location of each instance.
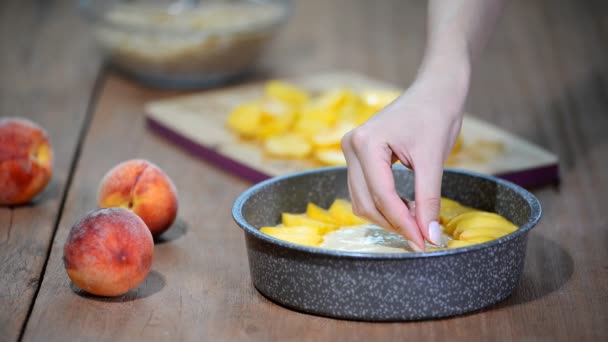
(184, 44)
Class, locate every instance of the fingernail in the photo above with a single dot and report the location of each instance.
(435, 233)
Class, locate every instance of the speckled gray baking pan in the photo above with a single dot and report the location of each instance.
(383, 287)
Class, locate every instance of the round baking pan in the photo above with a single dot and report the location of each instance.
(383, 287)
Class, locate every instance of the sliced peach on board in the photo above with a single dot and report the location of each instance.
(275, 118)
(245, 119)
(332, 101)
(286, 92)
(330, 156)
(287, 146)
(313, 111)
(331, 137)
(309, 126)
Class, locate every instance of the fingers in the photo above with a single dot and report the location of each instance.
(376, 188)
(428, 197)
(362, 203)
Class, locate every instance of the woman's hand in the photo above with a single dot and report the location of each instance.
(419, 129)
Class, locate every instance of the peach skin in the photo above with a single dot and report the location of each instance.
(143, 188)
(26, 160)
(108, 252)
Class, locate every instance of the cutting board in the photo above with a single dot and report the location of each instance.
(196, 122)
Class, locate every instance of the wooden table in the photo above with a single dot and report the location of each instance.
(543, 77)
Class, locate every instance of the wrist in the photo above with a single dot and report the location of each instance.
(445, 77)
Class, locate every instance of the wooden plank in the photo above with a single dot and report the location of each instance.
(48, 72)
(543, 78)
(544, 69)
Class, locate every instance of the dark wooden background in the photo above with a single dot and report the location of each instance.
(543, 76)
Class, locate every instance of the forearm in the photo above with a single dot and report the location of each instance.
(457, 32)
(460, 27)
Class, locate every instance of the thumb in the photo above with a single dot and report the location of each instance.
(428, 176)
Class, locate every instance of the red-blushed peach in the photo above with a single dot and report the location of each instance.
(108, 252)
(142, 187)
(26, 160)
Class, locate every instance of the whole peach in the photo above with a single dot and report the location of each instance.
(26, 160)
(108, 252)
(142, 187)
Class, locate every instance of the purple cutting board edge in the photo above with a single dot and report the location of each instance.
(541, 175)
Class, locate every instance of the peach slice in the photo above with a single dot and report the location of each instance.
(287, 146)
(342, 212)
(286, 92)
(295, 220)
(451, 209)
(317, 213)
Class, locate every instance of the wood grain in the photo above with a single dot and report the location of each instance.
(543, 77)
(47, 74)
